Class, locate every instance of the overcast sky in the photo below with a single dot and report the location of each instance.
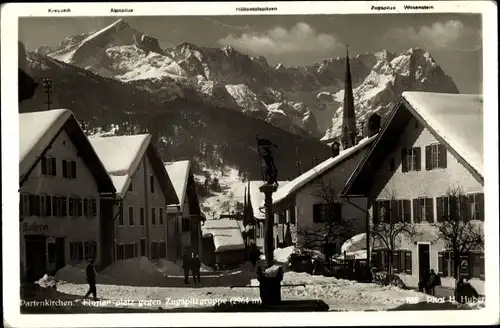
(454, 40)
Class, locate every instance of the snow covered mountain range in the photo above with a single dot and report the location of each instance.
(306, 100)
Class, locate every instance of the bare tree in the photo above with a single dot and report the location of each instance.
(391, 222)
(333, 227)
(454, 226)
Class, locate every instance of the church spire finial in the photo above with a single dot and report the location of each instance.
(349, 119)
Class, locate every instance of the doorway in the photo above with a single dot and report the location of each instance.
(36, 257)
(424, 259)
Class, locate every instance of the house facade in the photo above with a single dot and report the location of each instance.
(430, 147)
(144, 191)
(64, 192)
(184, 217)
(301, 206)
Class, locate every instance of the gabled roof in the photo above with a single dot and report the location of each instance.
(122, 156)
(179, 175)
(37, 132)
(183, 180)
(226, 234)
(456, 120)
(298, 183)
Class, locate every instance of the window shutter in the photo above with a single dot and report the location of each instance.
(31, 202)
(480, 200)
(64, 168)
(48, 205)
(442, 156)
(429, 209)
(441, 263)
(64, 206)
(404, 161)
(408, 264)
(416, 211)
(452, 200)
(439, 208)
(73, 169)
(465, 208)
(375, 258)
(428, 158)
(120, 215)
(417, 158)
(54, 166)
(375, 212)
(316, 213)
(393, 213)
(407, 210)
(337, 211)
(44, 165)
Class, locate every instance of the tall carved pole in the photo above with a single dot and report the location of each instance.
(269, 238)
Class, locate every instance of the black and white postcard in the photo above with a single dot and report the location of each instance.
(250, 163)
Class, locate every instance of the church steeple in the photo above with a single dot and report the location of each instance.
(349, 118)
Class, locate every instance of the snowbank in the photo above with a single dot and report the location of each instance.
(135, 272)
(355, 243)
(169, 268)
(282, 255)
(76, 274)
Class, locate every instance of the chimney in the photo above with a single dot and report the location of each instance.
(335, 148)
(374, 124)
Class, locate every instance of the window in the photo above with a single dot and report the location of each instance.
(143, 247)
(43, 204)
(154, 250)
(410, 159)
(327, 212)
(80, 251)
(131, 186)
(445, 264)
(120, 216)
(476, 206)
(64, 168)
(87, 250)
(34, 205)
(382, 211)
(79, 211)
(73, 255)
(141, 216)
(160, 212)
(64, 205)
(71, 207)
(25, 204)
(282, 217)
(403, 211)
(292, 215)
(48, 205)
(401, 260)
(423, 210)
(442, 208)
(120, 252)
(94, 207)
(129, 250)
(476, 265)
(152, 183)
(73, 170)
(153, 216)
(131, 215)
(392, 164)
(185, 224)
(435, 156)
(51, 250)
(162, 251)
(93, 250)
(48, 166)
(85, 207)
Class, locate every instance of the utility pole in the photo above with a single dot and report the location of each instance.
(47, 89)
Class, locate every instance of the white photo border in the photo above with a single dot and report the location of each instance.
(10, 169)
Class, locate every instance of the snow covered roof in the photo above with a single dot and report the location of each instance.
(257, 197)
(355, 243)
(297, 183)
(226, 234)
(457, 118)
(179, 175)
(121, 155)
(37, 130)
